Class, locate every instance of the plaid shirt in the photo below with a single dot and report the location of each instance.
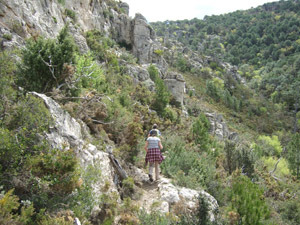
(154, 155)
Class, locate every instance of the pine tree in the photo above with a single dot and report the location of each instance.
(293, 154)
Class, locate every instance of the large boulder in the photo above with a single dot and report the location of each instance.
(218, 126)
(142, 38)
(176, 85)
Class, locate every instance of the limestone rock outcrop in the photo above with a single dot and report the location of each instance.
(218, 126)
(169, 194)
(67, 133)
(176, 85)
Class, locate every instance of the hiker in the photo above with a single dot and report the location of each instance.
(154, 157)
(154, 127)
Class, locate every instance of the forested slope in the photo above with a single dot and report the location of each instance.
(264, 42)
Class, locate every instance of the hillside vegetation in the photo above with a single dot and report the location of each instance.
(253, 175)
(263, 42)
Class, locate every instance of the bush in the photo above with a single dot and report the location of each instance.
(44, 62)
(20, 139)
(99, 44)
(213, 91)
(154, 218)
(200, 129)
(268, 146)
(247, 200)
(182, 64)
(290, 211)
(241, 158)
(293, 155)
(153, 72)
(7, 93)
(88, 75)
(84, 193)
(9, 207)
(170, 114)
(7, 37)
(70, 13)
(161, 97)
(282, 167)
(53, 176)
(187, 167)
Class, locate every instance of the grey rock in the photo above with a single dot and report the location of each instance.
(218, 126)
(66, 133)
(142, 38)
(176, 85)
(138, 72)
(125, 7)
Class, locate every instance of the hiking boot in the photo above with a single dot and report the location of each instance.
(150, 178)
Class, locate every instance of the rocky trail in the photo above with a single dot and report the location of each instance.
(150, 198)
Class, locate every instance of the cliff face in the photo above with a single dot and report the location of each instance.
(23, 19)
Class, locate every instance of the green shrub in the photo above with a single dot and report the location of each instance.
(212, 90)
(45, 61)
(108, 209)
(7, 37)
(187, 167)
(133, 133)
(268, 146)
(54, 176)
(241, 157)
(59, 169)
(290, 211)
(128, 187)
(61, 2)
(282, 167)
(20, 139)
(205, 72)
(70, 13)
(99, 44)
(7, 93)
(247, 199)
(161, 97)
(142, 94)
(154, 218)
(153, 72)
(84, 193)
(170, 114)
(293, 154)
(182, 64)
(200, 129)
(54, 19)
(88, 75)
(9, 208)
(159, 52)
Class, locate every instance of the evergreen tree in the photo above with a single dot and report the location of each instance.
(200, 131)
(293, 154)
(161, 97)
(45, 62)
(247, 199)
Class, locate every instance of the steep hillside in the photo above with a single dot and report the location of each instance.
(82, 83)
(263, 42)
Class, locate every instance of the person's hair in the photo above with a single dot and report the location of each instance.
(153, 133)
(154, 126)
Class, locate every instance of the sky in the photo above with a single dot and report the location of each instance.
(162, 10)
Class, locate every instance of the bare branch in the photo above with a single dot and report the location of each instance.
(100, 122)
(50, 66)
(275, 167)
